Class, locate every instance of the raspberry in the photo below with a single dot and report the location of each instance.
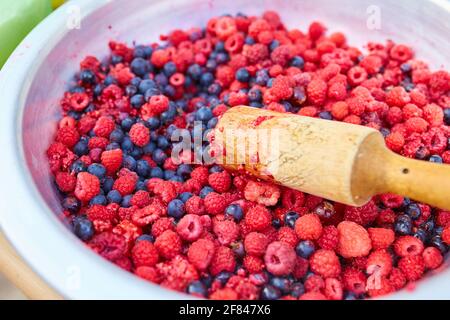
(223, 260)
(112, 160)
(166, 191)
(381, 238)
(339, 110)
(397, 97)
(225, 27)
(329, 238)
(144, 254)
(446, 235)
(354, 280)
(416, 124)
(408, 246)
(282, 88)
(280, 258)
(162, 225)
(394, 115)
(255, 53)
(195, 205)
(412, 267)
(397, 279)
(146, 215)
(140, 199)
(99, 212)
(316, 30)
(401, 53)
(379, 286)
(125, 184)
(354, 240)
(288, 236)
(68, 136)
(391, 200)
(314, 283)
(220, 181)
(317, 91)
(201, 253)
(258, 26)
(148, 273)
(308, 227)
(227, 231)
(325, 263)
(258, 218)
(190, 227)
(253, 264)
(168, 244)
(362, 215)
(224, 294)
(87, 186)
(395, 141)
(108, 245)
(255, 243)
(104, 126)
(292, 199)
(263, 193)
(333, 289)
(139, 134)
(66, 182)
(177, 273)
(379, 263)
(158, 104)
(433, 114)
(432, 258)
(215, 203)
(200, 174)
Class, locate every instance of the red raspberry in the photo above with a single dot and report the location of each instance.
(363, 215)
(372, 64)
(190, 227)
(158, 104)
(379, 263)
(258, 26)
(395, 141)
(144, 254)
(381, 238)
(112, 160)
(266, 194)
(401, 53)
(85, 124)
(394, 115)
(201, 253)
(412, 267)
(225, 27)
(397, 97)
(237, 98)
(255, 243)
(225, 75)
(160, 57)
(139, 134)
(227, 231)
(354, 240)
(316, 30)
(282, 88)
(314, 283)
(329, 238)
(195, 205)
(148, 273)
(280, 258)
(255, 53)
(317, 91)
(397, 279)
(166, 191)
(104, 126)
(432, 258)
(446, 235)
(87, 186)
(220, 181)
(416, 124)
(411, 110)
(292, 199)
(68, 136)
(308, 227)
(339, 110)
(223, 260)
(108, 245)
(379, 286)
(162, 225)
(253, 264)
(215, 203)
(443, 218)
(325, 263)
(354, 280)
(98, 142)
(99, 212)
(66, 182)
(77, 101)
(147, 215)
(200, 174)
(333, 289)
(391, 200)
(258, 218)
(433, 114)
(406, 246)
(224, 294)
(125, 184)
(312, 296)
(177, 273)
(141, 199)
(168, 244)
(288, 236)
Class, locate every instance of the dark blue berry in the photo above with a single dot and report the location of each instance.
(421, 234)
(305, 249)
(129, 162)
(137, 101)
(162, 143)
(205, 191)
(212, 123)
(184, 170)
(127, 123)
(109, 80)
(276, 223)
(98, 199)
(403, 225)
(197, 288)
(194, 71)
(223, 277)
(242, 75)
(282, 284)
(175, 208)
(83, 228)
(145, 237)
(140, 66)
(297, 289)
(255, 95)
(413, 210)
(274, 44)
(437, 242)
(206, 79)
(159, 156)
(141, 185)
(146, 85)
(107, 184)
(185, 196)
(249, 40)
(141, 51)
(115, 59)
(290, 218)
(78, 166)
(326, 115)
(116, 136)
(235, 211)
(149, 148)
(71, 204)
(203, 114)
(168, 174)
(142, 168)
(151, 92)
(126, 201)
(215, 168)
(112, 146)
(405, 67)
(447, 116)
(435, 158)
(97, 170)
(297, 62)
(157, 172)
(81, 148)
(127, 145)
(114, 196)
(153, 123)
(269, 292)
(87, 77)
(169, 68)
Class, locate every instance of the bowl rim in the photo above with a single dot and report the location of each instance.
(15, 213)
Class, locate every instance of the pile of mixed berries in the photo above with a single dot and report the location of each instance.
(225, 235)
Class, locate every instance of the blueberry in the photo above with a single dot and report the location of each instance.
(255, 95)
(403, 225)
(112, 146)
(129, 162)
(215, 89)
(204, 192)
(326, 115)
(242, 75)
(350, 296)
(212, 123)
(194, 71)
(137, 101)
(151, 92)
(114, 196)
(203, 114)
(107, 184)
(162, 143)
(141, 51)
(262, 76)
(145, 237)
(413, 210)
(77, 89)
(81, 148)
(215, 168)
(78, 166)
(126, 201)
(159, 156)
(405, 68)
(206, 79)
(115, 59)
(99, 199)
(211, 64)
(421, 234)
(98, 89)
(274, 44)
(184, 170)
(109, 80)
(223, 277)
(127, 145)
(282, 284)
(297, 289)
(290, 218)
(428, 226)
(197, 288)
(116, 136)
(435, 158)
(71, 204)
(175, 208)
(87, 77)
(161, 80)
(305, 249)
(130, 90)
(149, 148)
(437, 242)
(135, 81)
(220, 46)
(249, 40)
(97, 170)
(140, 67)
(127, 123)
(169, 68)
(141, 185)
(83, 228)
(385, 132)
(168, 174)
(153, 123)
(142, 168)
(185, 196)
(447, 116)
(235, 211)
(276, 223)
(269, 292)
(297, 62)
(146, 85)
(157, 172)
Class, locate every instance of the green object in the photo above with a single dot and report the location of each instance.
(17, 18)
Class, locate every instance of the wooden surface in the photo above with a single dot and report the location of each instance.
(17, 272)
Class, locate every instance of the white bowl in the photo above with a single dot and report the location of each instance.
(34, 78)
